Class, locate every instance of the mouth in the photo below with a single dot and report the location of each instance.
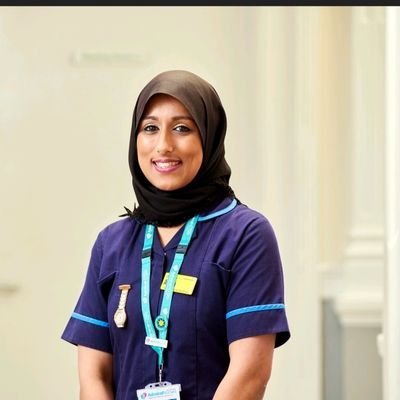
(166, 165)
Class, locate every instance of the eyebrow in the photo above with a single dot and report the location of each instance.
(175, 118)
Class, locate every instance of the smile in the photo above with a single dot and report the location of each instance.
(166, 165)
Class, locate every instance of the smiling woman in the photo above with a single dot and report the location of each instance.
(189, 96)
(168, 144)
(185, 296)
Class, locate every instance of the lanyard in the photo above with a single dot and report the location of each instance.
(161, 321)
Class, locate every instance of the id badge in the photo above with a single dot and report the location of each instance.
(159, 391)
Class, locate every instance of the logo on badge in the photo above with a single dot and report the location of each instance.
(161, 323)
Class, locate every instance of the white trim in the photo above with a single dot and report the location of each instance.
(363, 309)
(391, 328)
(353, 308)
(365, 242)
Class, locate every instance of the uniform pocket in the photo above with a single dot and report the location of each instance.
(105, 284)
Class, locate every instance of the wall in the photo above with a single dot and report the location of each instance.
(70, 77)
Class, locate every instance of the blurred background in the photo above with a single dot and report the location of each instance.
(312, 97)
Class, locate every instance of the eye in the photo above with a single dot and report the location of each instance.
(150, 128)
(182, 129)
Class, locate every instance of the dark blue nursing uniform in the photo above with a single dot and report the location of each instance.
(238, 294)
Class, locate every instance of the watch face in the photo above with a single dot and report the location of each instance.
(120, 318)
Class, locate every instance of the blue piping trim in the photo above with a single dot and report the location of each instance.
(90, 320)
(245, 310)
(220, 212)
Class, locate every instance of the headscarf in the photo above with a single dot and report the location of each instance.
(211, 183)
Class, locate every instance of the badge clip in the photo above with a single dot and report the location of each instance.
(120, 314)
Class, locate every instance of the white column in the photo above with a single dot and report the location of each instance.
(391, 338)
(287, 103)
(360, 299)
(307, 125)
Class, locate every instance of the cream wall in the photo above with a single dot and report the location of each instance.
(70, 76)
(64, 135)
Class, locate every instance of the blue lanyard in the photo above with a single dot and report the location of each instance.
(161, 321)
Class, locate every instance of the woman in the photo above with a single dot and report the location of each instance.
(188, 289)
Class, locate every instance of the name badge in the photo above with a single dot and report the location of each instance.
(184, 284)
(149, 341)
(159, 391)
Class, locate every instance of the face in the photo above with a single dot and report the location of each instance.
(168, 144)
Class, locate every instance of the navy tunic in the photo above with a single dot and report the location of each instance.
(238, 294)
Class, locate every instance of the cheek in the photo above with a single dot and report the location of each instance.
(199, 161)
(139, 144)
(197, 158)
(143, 145)
(142, 149)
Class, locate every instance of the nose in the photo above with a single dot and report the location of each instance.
(165, 143)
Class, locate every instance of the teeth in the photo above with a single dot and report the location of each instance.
(167, 164)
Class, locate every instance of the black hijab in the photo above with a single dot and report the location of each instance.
(211, 184)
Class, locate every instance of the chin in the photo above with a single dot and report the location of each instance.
(168, 184)
(168, 187)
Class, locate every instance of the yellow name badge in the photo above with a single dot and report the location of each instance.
(184, 284)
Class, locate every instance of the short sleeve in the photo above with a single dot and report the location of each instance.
(255, 301)
(88, 324)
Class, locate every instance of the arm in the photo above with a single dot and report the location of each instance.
(95, 374)
(249, 369)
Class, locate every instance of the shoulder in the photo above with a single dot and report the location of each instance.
(117, 231)
(239, 231)
(231, 209)
(246, 220)
(112, 244)
(249, 215)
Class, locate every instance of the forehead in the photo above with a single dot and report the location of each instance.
(166, 104)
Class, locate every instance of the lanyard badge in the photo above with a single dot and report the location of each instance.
(160, 391)
(157, 330)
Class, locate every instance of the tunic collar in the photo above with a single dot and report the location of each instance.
(225, 206)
